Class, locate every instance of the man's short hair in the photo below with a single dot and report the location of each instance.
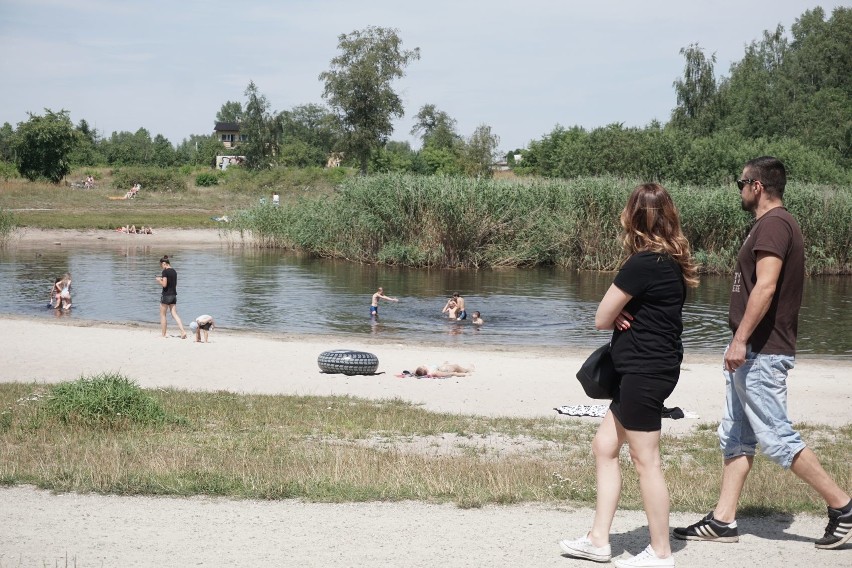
(771, 173)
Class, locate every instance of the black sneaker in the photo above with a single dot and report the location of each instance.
(709, 528)
(838, 531)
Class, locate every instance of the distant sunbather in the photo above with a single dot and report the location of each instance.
(443, 370)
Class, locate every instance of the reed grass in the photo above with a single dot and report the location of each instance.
(345, 449)
(453, 222)
(7, 225)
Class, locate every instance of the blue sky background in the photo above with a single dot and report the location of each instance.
(521, 67)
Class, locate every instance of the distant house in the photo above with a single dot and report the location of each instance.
(228, 133)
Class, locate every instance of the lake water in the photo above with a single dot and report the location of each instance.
(272, 291)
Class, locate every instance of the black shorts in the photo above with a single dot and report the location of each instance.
(638, 403)
(168, 299)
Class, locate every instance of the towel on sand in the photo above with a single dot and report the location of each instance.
(599, 410)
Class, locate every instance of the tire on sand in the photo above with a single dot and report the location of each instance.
(348, 362)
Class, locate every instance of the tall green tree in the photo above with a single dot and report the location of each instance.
(358, 87)
(308, 134)
(479, 152)
(87, 151)
(163, 152)
(7, 150)
(261, 128)
(436, 128)
(231, 111)
(697, 102)
(43, 144)
(199, 149)
(129, 148)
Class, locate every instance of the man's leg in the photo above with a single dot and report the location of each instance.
(806, 465)
(734, 476)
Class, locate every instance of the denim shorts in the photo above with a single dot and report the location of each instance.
(756, 410)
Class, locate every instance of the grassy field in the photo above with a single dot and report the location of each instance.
(66, 206)
(105, 434)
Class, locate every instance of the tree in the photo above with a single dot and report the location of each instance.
(479, 152)
(261, 128)
(358, 87)
(163, 152)
(231, 111)
(696, 93)
(199, 149)
(7, 150)
(310, 131)
(43, 144)
(435, 128)
(129, 149)
(86, 150)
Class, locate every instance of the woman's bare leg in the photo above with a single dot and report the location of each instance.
(606, 447)
(163, 310)
(645, 453)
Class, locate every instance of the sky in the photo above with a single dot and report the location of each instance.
(520, 67)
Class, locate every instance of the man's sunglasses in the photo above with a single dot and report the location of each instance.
(741, 183)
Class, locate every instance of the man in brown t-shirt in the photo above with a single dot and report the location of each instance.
(763, 315)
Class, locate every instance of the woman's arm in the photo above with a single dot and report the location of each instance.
(611, 312)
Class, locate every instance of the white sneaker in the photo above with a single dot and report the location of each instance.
(645, 559)
(583, 548)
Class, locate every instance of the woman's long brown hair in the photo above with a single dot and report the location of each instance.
(651, 224)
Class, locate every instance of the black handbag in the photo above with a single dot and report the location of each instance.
(597, 375)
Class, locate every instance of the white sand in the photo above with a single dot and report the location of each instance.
(40, 529)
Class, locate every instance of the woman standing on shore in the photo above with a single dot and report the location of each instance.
(168, 298)
(643, 307)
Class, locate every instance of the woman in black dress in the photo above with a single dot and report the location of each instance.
(643, 307)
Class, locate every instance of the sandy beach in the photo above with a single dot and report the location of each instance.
(93, 530)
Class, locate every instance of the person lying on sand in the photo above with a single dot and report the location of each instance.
(443, 370)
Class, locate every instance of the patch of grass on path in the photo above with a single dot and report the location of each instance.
(347, 449)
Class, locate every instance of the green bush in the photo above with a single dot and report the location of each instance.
(8, 171)
(151, 179)
(107, 398)
(206, 179)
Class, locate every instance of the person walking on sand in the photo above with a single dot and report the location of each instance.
(374, 305)
(643, 307)
(168, 298)
(763, 315)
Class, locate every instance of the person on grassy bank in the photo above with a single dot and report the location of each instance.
(763, 315)
(643, 307)
(168, 298)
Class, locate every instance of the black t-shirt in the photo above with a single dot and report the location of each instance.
(652, 343)
(170, 274)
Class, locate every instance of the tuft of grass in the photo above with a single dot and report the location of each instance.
(7, 225)
(104, 399)
(343, 449)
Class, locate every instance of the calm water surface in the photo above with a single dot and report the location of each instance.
(277, 292)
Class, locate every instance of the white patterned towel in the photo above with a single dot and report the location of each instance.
(595, 410)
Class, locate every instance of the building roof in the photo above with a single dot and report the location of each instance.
(224, 126)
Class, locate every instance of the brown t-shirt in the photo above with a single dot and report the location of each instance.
(778, 233)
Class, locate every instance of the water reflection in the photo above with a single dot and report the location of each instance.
(277, 292)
